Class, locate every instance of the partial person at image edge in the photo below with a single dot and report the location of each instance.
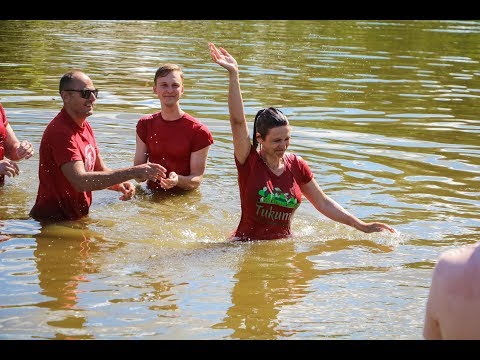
(11, 149)
(453, 305)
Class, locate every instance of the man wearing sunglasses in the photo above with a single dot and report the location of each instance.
(70, 165)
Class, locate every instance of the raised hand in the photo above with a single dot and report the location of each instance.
(223, 58)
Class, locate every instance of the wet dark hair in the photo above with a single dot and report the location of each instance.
(265, 120)
(67, 79)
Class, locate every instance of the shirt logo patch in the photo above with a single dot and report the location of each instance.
(90, 158)
(277, 197)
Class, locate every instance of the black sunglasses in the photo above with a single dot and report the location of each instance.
(85, 93)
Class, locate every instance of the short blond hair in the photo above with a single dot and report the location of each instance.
(166, 69)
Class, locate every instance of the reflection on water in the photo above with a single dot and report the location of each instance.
(274, 276)
(384, 112)
(63, 258)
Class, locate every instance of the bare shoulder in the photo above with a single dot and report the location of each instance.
(453, 264)
(460, 254)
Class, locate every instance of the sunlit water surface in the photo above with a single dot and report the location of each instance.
(384, 112)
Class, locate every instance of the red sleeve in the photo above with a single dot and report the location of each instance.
(203, 138)
(142, 130)
(3, 116)
(64, 148)
(303, 174)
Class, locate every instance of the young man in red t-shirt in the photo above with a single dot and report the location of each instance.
(70, 163)
(171, 137)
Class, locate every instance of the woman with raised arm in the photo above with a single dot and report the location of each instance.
(272, 180)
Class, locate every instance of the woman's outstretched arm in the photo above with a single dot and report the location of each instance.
(331, 209)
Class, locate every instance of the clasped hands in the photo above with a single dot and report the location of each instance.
(158, 174)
